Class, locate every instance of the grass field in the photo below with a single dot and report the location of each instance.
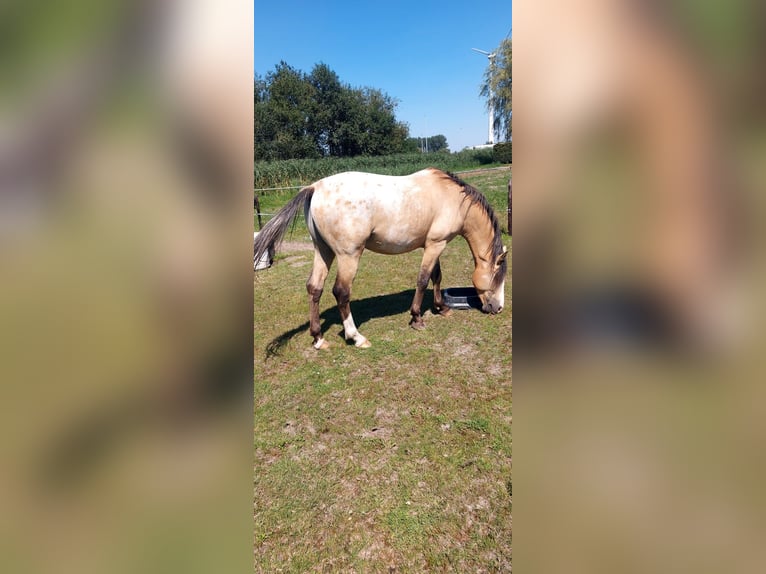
(395, 458)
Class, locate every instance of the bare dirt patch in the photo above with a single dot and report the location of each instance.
(292, 246)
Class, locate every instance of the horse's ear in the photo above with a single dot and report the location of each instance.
(502, 256)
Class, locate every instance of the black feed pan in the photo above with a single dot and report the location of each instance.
(461, 298)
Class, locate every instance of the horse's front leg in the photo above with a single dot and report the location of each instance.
(436, 279)
(427, 265)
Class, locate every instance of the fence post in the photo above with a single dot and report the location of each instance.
(257, 207)
(510, 209)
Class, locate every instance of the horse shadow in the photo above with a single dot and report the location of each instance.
(361, 309)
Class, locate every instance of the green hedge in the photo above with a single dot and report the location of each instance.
(502, 152)
(304, 171)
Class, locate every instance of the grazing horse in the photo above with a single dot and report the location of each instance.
(348, 212)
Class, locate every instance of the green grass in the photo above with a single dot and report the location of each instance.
(397, 456)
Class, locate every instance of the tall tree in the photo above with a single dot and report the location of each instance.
(329, 111)
(379, 132)
(438, 143)
(429, 144)
(264, 132)
(497, 88)
(292, 104)
(301, 115)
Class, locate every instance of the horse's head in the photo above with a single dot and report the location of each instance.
(489, 280)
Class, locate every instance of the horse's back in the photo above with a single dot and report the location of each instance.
(387, 214)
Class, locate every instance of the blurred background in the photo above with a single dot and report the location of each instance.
(640, 130)
(125, 290)
(126, 302)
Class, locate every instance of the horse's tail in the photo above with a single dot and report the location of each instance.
(270, 236)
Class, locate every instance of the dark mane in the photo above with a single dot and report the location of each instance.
(477, 198)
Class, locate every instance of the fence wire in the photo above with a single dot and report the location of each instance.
(300, 215)
(501, 168)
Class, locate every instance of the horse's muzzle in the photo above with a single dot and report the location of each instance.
(491, 309)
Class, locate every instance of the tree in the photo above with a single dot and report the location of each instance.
(438, 143)
(379, 132)
(292, 103)
(498, 83)
(329, 112)
(435, 143)
(264, 132)
(300, 115)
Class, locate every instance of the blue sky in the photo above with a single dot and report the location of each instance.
(418, 52)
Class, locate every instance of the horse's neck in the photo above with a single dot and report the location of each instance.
(478, 233)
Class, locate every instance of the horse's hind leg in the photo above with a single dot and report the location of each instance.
(436, 278)
(323, 257)
(347, 266)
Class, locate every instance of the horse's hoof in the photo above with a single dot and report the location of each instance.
(418, 325)
(445, 311)
(364, 344)
(321, 344)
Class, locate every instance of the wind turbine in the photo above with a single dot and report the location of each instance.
(491, 131)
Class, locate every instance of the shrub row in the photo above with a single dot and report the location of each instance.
(502, 152)
(290, 172)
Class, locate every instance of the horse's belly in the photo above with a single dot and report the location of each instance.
(392, 244)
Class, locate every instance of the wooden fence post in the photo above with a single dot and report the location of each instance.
(510, 209)
(257, 207)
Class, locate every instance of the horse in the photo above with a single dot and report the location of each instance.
(349, 212)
